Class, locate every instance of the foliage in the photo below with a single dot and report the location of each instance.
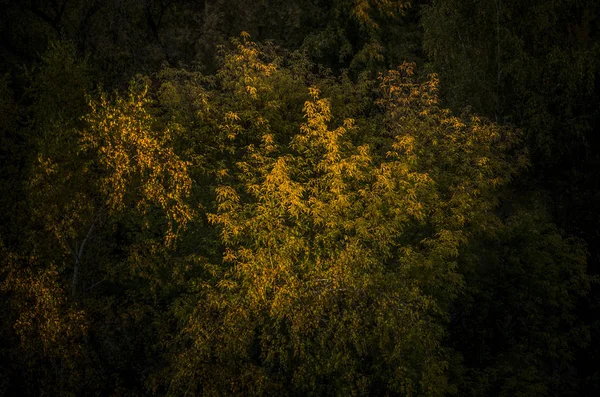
(535, 66)
(185, 213)
(339, 264)
(529, 346)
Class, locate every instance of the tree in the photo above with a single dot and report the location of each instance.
(99, 168)
(339, 263)
(536, 67)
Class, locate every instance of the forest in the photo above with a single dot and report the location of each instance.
(300, 198)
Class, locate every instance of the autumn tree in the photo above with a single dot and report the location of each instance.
(98, 167)
(341, 253)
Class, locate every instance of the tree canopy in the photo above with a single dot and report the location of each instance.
(370, 197)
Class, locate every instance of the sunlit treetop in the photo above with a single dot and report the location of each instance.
(339, 263)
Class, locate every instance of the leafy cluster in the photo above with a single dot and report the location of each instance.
(310, 221)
